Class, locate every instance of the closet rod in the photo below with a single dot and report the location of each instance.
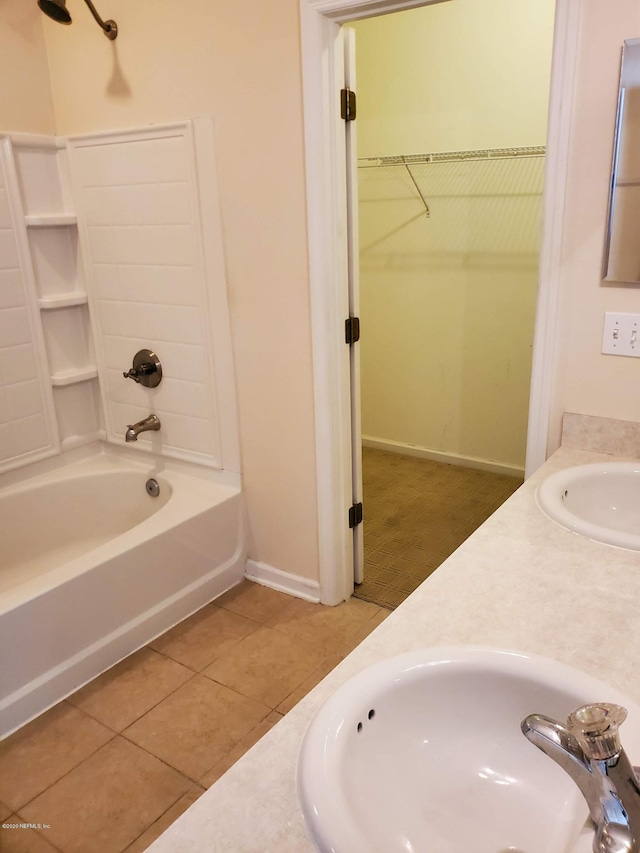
(452, 156)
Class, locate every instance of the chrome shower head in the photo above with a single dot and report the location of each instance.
(56, 9)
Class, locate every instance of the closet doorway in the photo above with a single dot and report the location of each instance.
(451, 128)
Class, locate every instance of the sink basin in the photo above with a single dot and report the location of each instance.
(600, 501)
(423, 753)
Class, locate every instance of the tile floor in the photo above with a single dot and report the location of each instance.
(416, 513)
(110, 768)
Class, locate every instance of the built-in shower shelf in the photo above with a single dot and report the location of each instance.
(50, 220)
(631, 182)
(62, 300)
(72, 377)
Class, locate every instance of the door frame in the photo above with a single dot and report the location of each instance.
(327, 224)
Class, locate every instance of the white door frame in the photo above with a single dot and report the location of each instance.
(327, 225)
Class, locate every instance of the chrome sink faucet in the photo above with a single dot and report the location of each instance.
(588, 749)
(134, 430)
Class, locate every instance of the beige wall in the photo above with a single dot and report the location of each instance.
(25, 92)
(448, 303)
(239, 63)
(455, 76)
(589, 382)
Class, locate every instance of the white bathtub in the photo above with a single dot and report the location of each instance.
(92, 568)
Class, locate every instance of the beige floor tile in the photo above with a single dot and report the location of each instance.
(267, 666)
(43, 751)
(107, 801)
(131, 688)
(240, 748)
(254, 601)
(326, 629)
(203, 637)
(197, 726)
(362, 632)
(164, 822)
(308, 684)
(23, 840)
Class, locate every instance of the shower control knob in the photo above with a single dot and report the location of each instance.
(146, 369)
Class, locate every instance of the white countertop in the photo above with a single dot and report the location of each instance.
(519, 582)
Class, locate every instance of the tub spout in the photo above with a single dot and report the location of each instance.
(134, 430)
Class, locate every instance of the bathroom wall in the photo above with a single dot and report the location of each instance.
(588, 382)
(455, 76)
(239, 63)
(448, 302)
(25, 95)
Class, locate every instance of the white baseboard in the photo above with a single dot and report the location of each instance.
(295, 585)
(442, 456)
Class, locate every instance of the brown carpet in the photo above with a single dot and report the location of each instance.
(416, 513)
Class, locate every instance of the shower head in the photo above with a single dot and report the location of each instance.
(57, 9)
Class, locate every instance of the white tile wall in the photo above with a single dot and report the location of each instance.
(140, 225)
(25, 426)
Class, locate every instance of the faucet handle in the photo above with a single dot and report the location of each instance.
(146, 369)
(596, 727)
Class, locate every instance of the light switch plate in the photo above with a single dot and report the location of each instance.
(621, 334)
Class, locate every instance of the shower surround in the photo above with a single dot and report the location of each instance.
(110, 243)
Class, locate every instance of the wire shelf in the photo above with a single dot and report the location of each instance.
(475, 203)
(452, 156)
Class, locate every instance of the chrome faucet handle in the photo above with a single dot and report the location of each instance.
(596, 727)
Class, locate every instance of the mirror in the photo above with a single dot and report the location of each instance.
(622, 245)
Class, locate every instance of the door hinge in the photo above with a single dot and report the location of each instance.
(352, 330)
(355, 515)
(347, 104)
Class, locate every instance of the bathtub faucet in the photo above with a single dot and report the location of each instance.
(134, 430)
(588, 749)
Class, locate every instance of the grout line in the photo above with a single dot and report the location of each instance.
(86, 758)
(193, 673)
(131, 843)
(153, 183)
(37, 832)
(141, 264)
(111, 225)
(158, 758)
(156, 303)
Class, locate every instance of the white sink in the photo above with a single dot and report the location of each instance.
(423, 753)
(600, 501)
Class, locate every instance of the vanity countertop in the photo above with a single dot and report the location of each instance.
(519, 582)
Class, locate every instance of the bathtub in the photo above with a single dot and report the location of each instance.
(92, 567)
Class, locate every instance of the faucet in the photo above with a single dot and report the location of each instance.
(134, 430)
(588, 749)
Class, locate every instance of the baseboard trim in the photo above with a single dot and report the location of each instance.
(442, 456)
(295, 585)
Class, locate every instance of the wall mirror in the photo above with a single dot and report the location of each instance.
(622, 244)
